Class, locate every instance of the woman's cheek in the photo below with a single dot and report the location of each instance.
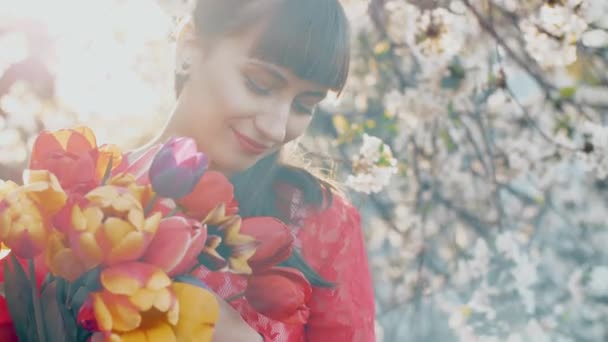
(234, 99)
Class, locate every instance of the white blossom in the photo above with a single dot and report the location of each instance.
(598, 281)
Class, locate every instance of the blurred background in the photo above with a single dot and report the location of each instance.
(472, 135)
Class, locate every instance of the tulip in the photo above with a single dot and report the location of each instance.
(210, 191)
(280, 293)
(274, 241)
(74, 157)
(142, 192)
(62, 260)
(139, 166)
(7, 332)
(198, 313)
(176, 245)
(26, 211)
(6, 187)
(134, 297)
(138, 302)
(177, 167)
(226, 247)
(111, 228)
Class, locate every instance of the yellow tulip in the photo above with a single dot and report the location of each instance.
(26, 211)
(111, 227)
(61, 259)
(136, 303)
(198, 312)
(226, 248)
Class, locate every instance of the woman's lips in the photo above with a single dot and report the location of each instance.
(249, 145)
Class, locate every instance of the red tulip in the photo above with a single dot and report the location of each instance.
(7, 333)
(176, 245)
(210, 191)
(280, 293)
(274, 241)
(177, 167)
(74, 157)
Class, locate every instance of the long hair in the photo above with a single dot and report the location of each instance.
(309, 37)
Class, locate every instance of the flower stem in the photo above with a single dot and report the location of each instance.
(36, 302)
(108, 172)
(151, 204)
(173, 211)
(235, 297)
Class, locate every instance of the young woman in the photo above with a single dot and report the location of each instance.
(250, 75)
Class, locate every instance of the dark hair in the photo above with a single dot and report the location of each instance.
(309, 37)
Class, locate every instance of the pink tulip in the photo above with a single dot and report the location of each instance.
(176, 245)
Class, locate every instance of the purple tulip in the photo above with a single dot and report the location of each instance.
(177, 168)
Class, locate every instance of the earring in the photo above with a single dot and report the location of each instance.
(184, 53)
(183, 60)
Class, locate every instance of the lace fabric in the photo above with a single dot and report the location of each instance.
(331, 241)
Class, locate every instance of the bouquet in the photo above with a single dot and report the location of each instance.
(97, 247)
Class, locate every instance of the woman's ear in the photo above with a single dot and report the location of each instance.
(187, 47)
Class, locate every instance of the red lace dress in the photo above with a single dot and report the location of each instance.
(331, 241)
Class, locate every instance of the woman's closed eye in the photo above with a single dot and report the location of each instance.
(256, 87)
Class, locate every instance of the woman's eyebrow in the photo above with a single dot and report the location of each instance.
(272, 70)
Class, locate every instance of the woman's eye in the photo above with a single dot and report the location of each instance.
(256, 87)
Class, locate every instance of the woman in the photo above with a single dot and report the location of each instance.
(249, 77)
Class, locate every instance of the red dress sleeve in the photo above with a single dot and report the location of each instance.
(332, 243)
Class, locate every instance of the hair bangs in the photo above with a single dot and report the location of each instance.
(311, 38)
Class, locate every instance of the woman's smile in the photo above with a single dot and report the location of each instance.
(249, 145)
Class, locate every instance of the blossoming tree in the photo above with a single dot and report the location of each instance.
(472, 134)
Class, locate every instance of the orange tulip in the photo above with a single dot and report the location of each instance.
(111, 228)
(226, 247)
(134, 296)
(280, 293)
(212, 190)
(176, 245)
(274, 241)
(25, 212)
(74, 157)
(138, 302)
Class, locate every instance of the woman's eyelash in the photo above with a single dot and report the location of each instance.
(255, 87)
(302, 109)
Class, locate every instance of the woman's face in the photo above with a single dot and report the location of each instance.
(240, 109)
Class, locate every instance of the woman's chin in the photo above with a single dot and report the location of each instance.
(230, 167)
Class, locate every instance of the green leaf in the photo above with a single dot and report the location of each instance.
(49, 278)
(19, 300)
(448, 141)
(567, 92)
(78, 299)
(53, 316)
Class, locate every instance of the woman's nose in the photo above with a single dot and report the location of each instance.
(272, 123)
